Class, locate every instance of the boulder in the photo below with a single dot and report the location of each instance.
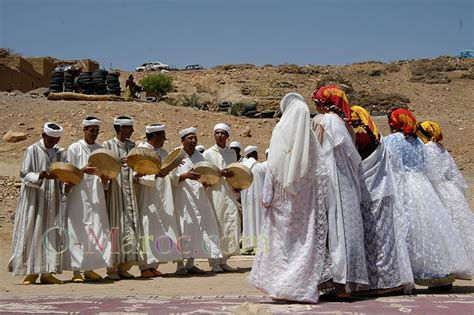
(14, 136)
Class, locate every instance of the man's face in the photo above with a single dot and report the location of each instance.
(126, 131)
(221, 137)
(161, 138)
(91, 133)
(50, 142)
(190, 142)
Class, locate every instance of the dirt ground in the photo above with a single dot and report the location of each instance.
(449, 103)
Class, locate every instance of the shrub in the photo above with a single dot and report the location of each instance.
(158, 83)
(190, 101)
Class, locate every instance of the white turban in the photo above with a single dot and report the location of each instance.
(53, 132)
(90, 122)
(154, 128)
(123, 122)
(235, 144)
(222, 127)
(187, 131)
(250, 149)
(200, 148)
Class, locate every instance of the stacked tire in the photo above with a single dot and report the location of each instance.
(98, 79)
(84, 83)
(69, 77)
(113, 84)
(56, 82)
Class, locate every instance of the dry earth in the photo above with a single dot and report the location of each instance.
(374, 85)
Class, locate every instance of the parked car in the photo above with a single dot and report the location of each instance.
(152, 66)
(193, 67)
(466, 54)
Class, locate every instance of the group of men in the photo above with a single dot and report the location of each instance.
(133, 219)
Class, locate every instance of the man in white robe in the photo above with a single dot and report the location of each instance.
(39, 211)
(223, 197)
(86, 210)
(252, 207)
(122, 205)
(155, 201)
(237, 147)
(198, 223)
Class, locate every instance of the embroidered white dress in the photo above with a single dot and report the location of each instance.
(434, 245)
(451, 187)
(346, 229)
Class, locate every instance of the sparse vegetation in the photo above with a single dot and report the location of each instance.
(161, 84)
(190, 101)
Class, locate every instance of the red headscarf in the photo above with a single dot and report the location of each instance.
(333, 95)
(401, 119)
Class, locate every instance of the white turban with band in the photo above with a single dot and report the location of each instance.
(222, 127)
(53, 132)
(154, 128)
(200, 148)
(187, 131)
(250, 149)
(235, 144)
(123, 121)
(90, 122)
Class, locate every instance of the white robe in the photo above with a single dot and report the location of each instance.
(160, 227)
(252, 208)
(451, 187)
(197, 219)
(39, 209)
(388, 262)
(346, 230)
(87, 218)
(434, 244)
(124, 216)
(224, 201)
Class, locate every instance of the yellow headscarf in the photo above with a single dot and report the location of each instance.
(359, 114)
(430, 131)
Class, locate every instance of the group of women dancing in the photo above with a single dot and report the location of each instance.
(348, 211)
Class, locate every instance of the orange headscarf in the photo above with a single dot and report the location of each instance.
(430, 131)
(359, 114)
(332, 95)
(401, 119)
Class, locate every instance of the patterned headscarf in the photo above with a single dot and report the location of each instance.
(401, 119)
(333, 96)
(430, 131)
(360, 115)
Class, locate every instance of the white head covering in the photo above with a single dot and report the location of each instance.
(154, 128)
(187, 131)
(52, 132)
(91, 122)
(249, 149)
(222, 127)
(200, 148)
(123, 122)
(235, 144)
(292, 143)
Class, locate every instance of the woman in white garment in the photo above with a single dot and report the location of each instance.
(449, 183)
(388, 262)
(436, 251)
(346, 229)
(291, 253)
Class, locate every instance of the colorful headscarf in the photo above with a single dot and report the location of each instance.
(332, 95)
(401, 119)
(359, 114)
(430, 131)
